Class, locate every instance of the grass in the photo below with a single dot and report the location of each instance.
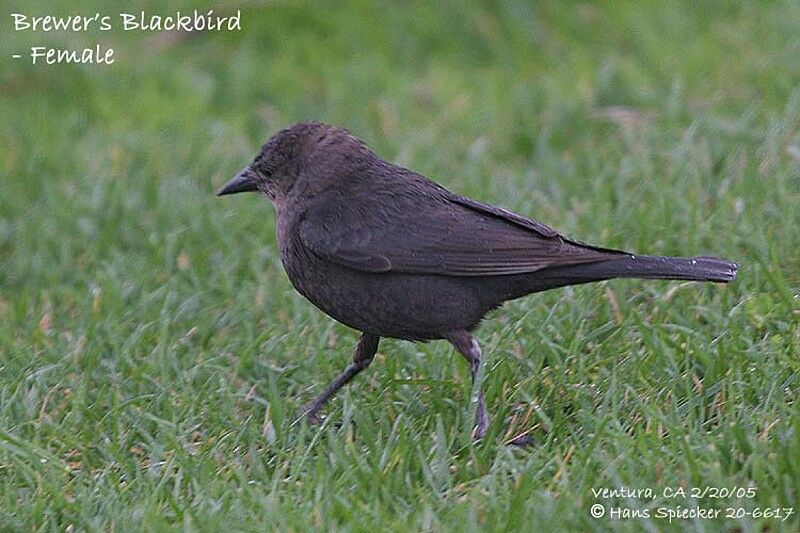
(153, 353)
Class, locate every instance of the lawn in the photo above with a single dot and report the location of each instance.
(153, 353)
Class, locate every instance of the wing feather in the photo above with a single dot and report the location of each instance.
(441, 234)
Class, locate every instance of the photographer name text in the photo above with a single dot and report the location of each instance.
(679, 503)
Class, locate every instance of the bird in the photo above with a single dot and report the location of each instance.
(393, 254)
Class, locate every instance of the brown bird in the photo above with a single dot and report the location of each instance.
(392, 254)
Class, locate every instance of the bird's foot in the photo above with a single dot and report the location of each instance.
(519, 418)
(522, 440)
(481, 422)
(310, 414)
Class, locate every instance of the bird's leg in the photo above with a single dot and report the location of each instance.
(465, 343)
(365, 351)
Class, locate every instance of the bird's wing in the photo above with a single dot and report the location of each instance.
(435, 233)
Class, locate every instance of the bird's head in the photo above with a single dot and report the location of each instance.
(305, 154)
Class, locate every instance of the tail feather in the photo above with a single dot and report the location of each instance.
(657, 267)
(616, 266)
(629, 266)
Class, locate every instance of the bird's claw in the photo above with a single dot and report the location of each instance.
(309, 414)
(481, 424)
(522, 440)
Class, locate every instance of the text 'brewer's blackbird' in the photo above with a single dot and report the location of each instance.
(392, 254)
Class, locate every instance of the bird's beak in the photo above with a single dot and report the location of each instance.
(243, 182)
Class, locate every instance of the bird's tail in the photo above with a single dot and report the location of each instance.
(631, 266)
(657, 267)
